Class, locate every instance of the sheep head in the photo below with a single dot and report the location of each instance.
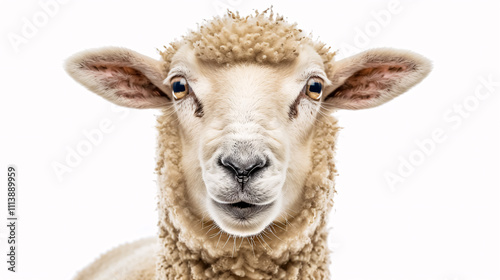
(247, 93)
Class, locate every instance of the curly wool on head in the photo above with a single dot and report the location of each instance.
(261, 38)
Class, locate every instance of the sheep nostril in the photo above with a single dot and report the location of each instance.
(255, 167)
(242, 169)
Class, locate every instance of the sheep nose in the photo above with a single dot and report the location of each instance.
(243, 168)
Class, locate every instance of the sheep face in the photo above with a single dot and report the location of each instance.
(245, 126)
(246, 129)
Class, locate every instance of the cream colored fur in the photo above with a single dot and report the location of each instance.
(128, 262)
(247, 78)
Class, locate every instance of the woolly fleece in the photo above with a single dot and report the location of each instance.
(261, 38)
(188, 247)
(191, 249)
(133, 261)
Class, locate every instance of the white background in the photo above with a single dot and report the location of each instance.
(442, 222)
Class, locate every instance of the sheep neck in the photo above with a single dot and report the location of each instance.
(295, 251)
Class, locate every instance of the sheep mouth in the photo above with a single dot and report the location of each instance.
(243, 210)
(241, 205)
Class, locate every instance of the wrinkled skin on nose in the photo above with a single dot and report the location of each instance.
(243, 170)
(242, 167)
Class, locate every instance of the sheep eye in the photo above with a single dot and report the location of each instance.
(314, 88)
(180, 87)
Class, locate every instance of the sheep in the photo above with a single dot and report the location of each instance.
(245, 155)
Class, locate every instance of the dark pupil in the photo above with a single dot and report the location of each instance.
(315, 87)
(178, 87)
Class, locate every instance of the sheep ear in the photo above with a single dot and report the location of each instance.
(121, 76)
(374, 77)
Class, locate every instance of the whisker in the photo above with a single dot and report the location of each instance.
(217, 246)
(265, 234)
(250, 241)
(215, 234)
(234, 246)
(293, 225)
(259, 237)
(279, 226)
(271, 231)
(214, 226)
(228, 237)
(241, 242)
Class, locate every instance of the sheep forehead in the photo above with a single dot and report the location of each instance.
(243, 80)
(260, 38)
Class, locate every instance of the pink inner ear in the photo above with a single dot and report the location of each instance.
(372, 81)
(126, 81)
